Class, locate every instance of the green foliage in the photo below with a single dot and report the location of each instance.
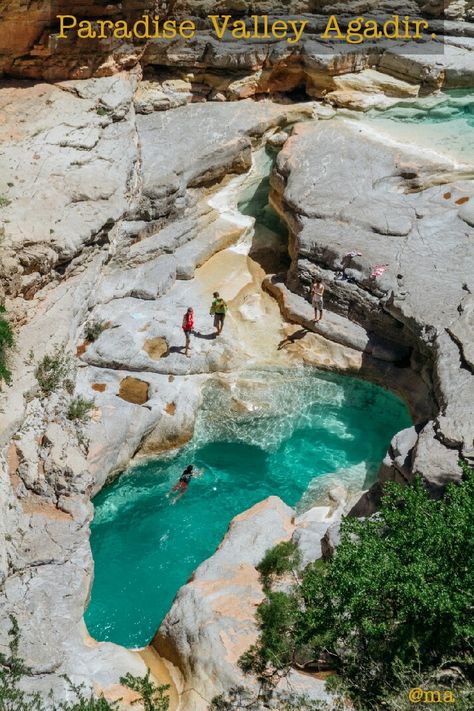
(274, 651)
(86, 701)
(151, 695)
(442, 679)
(240, 697)
(302, 702)
(79, 408)
(6, 341)
(12, 669)
(93, 329)
(4, 201)
(283, 558)
(52, 370)
(397, 595)
(13, 698)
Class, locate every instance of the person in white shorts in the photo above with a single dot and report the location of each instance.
(317, 291)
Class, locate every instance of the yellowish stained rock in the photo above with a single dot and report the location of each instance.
(133, 390)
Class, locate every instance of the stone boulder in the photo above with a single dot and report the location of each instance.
(75, 176)
(212, 620)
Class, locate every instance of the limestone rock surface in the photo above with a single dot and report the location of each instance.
(396, 213)
(212, 620)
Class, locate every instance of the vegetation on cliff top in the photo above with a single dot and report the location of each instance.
(6, 342)
(79, 408)
(93, 329)
(53, 370)
(13, 671)
(393, 608)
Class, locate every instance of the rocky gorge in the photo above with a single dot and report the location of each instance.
(119, 186)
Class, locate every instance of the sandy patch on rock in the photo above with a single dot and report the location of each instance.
(43, 508)
(170, 408)
(156, 347)
(162, 674)
(134, 390)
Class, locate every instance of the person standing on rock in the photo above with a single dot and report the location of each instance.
(188, 326)
(317, 291)
(218, 310)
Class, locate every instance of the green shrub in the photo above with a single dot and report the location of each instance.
(12, 698)
(79, 408)
(283, 558)
(239, 698)
(397, 595)
(52, 371)
(271, 657)
(152, 697)
(4, 201)
(6, 342)
(93, 329)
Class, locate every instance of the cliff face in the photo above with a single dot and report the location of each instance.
(84, 172)
(29, 45)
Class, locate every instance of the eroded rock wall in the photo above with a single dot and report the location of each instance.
(212, 619)
(342, 189)
(30, 48)
(104, 217)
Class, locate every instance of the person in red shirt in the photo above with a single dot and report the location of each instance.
(188, 326)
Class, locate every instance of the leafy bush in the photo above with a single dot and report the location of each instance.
(93, 329)
(6, 342)
(443, 679)
(152, 697)
(241, 697)
(397, 595)
(4, 201)
(52, 370)
(283, 558)
(13, 698)
(270, 659)
(79, 408)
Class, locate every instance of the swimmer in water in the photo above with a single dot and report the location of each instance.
(182, 486)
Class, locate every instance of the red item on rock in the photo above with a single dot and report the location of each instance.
(188, 324)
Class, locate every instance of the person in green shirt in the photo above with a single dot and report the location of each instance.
(218, 310)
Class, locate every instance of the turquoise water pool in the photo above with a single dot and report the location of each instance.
(450, 105)
(289, 433)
